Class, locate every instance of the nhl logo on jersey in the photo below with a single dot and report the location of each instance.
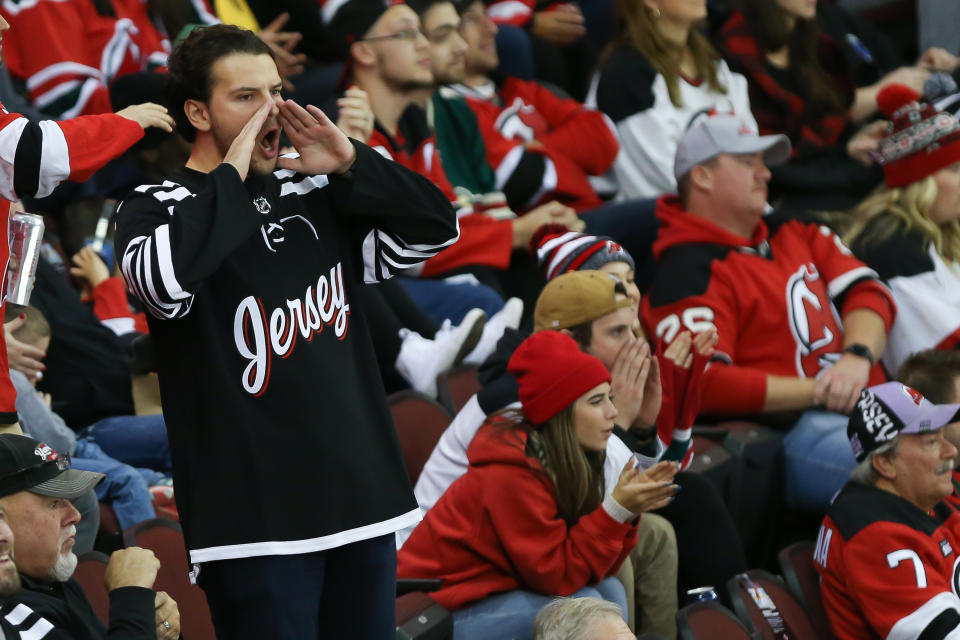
(945, 548)
(261, 205)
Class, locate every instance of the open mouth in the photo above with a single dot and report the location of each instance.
(269, 142)
(5, 558)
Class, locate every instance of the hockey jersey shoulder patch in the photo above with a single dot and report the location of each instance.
(626, 84)
(684, 271)
(858, 506)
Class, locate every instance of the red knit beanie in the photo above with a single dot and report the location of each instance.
(923, 140)
(552, 372)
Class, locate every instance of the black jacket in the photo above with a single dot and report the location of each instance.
(61, 611)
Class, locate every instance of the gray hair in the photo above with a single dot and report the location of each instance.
(864, 473)
(571, 618)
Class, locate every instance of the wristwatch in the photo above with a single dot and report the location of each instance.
(861, 350)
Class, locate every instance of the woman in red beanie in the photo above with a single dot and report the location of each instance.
(528, 521)
(908, 231)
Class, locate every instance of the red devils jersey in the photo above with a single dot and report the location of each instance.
(34, 158)
(557, 165)
(483, 240)
(68, 53)
(888, 569)
(776, 300)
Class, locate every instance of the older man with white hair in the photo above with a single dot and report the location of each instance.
(36, 485)
(888, 548)
(581, 619)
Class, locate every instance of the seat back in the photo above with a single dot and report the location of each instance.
(794, 616)
(456, 386)
(419, 421)
(803, 581)
(91, 567)
(710, 621)
(165, 538)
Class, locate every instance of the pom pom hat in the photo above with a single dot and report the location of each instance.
(923, 140)
(552, 372)
(559, 251)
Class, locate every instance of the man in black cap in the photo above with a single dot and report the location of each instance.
(36, 485)
(887, 551)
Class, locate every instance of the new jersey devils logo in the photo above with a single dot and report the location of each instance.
(913, 394)
(813, 322)
(520, 120)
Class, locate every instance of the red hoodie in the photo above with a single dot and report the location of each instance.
(773, 298)
(496, 529)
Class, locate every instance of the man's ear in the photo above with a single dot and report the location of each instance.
(363, 54)
(883, 465)
(701, 177)
(197, 114)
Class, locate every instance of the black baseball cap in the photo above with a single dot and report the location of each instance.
(29, 465)
(887, 410)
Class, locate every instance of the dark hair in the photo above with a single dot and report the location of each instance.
(933, 373)
(770, 24)
(191, 65)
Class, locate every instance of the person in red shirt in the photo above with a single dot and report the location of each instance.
(801, 322)
(936, 374)
(887, 551)
(528, 521)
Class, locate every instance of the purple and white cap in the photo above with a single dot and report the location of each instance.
(887, 410)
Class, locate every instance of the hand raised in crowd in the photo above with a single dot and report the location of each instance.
(937, 59)
(241, 149)
(167, 615)
(838, 388)
(148, 115)
(323, 148)
(628, 381)
(683, 346)
(131, 567)
(866, 142)
(23, 357)
(637, 492)
(282, 44)
(561, 26)
(551, 213)
(356, 117)
(89, 266)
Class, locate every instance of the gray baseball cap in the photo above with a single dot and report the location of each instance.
(710, 135)
(887, 410)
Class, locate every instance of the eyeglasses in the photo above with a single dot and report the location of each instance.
(408, 35)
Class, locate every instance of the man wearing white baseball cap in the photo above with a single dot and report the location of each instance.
(801, 322)
(887, 551)
(36, 485)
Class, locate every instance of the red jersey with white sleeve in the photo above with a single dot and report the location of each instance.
(888, 569)
(776, 300)
(34, 158)
(68, 53)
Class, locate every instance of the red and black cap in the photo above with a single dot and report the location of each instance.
(350, 22)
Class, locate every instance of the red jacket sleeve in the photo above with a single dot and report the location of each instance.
(483, 240)
(571, 124)
(516, 12)
(547, 555)
(37, 156)
(849, 280)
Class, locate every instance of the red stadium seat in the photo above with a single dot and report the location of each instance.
(794, 616)
(803, 581)
(456, 386)
(165, 538)
(91, 567)
(420, 421)
(710, 621)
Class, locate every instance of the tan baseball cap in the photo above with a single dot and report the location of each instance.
(576, 298)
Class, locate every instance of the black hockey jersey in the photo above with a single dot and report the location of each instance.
(279, 430)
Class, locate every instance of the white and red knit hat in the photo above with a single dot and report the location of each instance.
(559, 251)
(923, 139)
